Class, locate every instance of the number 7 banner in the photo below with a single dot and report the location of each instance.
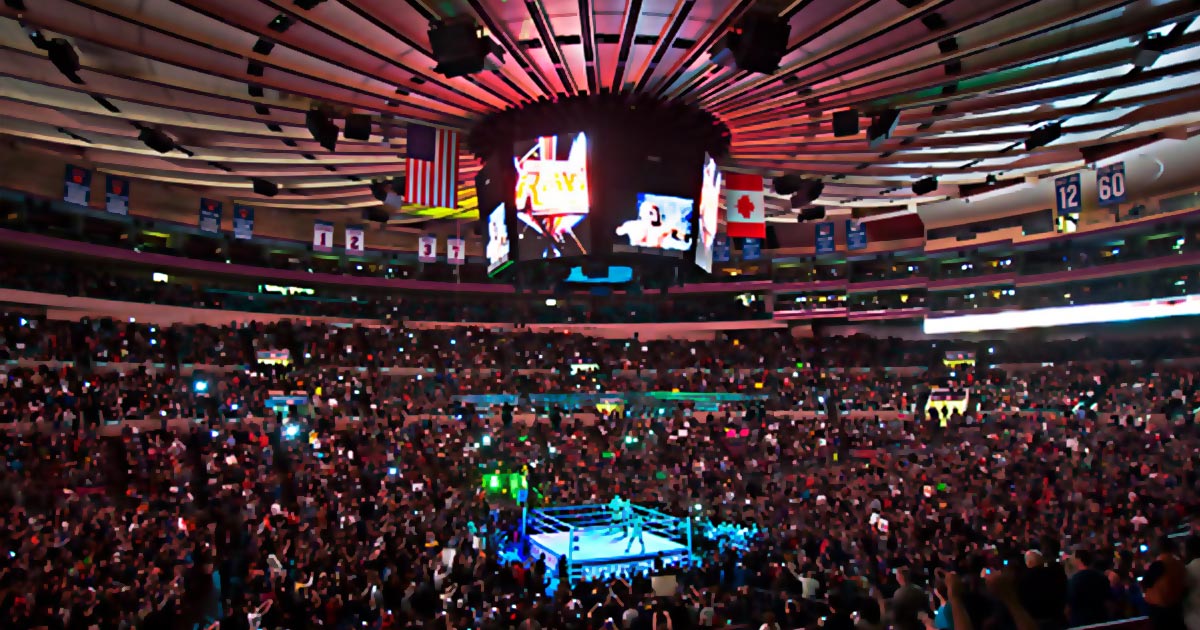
(1110, 184)
(456, 251)
(1067, 194)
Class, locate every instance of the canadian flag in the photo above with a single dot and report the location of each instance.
(744, 216)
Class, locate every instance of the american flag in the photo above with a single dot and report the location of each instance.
(432, 167)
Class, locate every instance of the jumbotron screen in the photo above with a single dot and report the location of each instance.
(710, 198)
(660, 222)
(499, 248)
(552, 196)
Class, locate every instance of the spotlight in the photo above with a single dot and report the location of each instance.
(264, 187)
(200, 386)
(281, 23)
(1043, 136)
(925, 186)
(811, 214)
(291, 431)
(1148, 52)
(322, 129)
(64, 57)
(263, 46)
(882, 127)
(156, 140)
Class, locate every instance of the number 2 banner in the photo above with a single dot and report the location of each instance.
(1110, 184)
(1067, 194)
(355, 237)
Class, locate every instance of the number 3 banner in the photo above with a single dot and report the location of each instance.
(1066, 191)
(427, 248)
(1110, 184)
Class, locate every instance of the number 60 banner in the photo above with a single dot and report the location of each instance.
(1067, 194)
(1110, 184)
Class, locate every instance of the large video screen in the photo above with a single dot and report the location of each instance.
(710, 198)
(660, 222)
(499, 248)
(552, 196)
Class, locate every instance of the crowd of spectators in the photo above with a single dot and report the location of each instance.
(1050, 503)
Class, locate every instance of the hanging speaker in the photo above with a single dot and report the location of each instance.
(845, 123)
(358, 127)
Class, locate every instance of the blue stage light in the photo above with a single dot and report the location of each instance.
(200, 386)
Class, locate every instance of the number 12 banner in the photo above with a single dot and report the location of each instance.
(1067, 194)
(1110, 184)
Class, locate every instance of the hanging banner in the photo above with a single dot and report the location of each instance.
(355, 239)
(1110, 184)
(456, 251)
(1067, 193)
(427, 248)
(744, 206)
(77, 185)
(751, 249)
(210, 216)
(721, 248)
(116, 195)
(856, 235)
(322, 236)
(243, 222)
(825, 244)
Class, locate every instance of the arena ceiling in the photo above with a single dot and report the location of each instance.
(971, 80)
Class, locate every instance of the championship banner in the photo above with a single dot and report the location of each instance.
(745, 216)
(1110, 184)
(243, 222)
(427, 248)
(322, 236)
(856, 235)
(825, 244)
(116, 195)
(1067, 194)
(210, 216)
(751, 249)
(721, 248)
(355, 239)
(456, 251)
(77, 185)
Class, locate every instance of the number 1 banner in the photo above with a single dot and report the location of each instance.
(427, 248)
(322, 236)
(1110, 184)
(1067, 194)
